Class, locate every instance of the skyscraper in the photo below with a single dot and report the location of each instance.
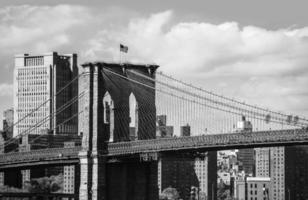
(287, 168)
(38, 80)
(246, 157)
(277, 173)
(262, 162)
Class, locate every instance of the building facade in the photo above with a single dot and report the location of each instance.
(296, 173)
(8, 121)
(38, 83)
(246, 157)
(258, 188)
(277, 173)
(239, 188)
(183, 173)
(262, 162)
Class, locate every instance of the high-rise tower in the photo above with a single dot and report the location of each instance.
(38, 82)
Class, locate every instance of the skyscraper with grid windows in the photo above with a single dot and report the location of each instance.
(38, 80)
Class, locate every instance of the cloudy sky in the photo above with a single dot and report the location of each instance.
(255, 51)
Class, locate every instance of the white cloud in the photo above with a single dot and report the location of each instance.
(38, 28)
(267, 67)
(250, 63)
(6, 89)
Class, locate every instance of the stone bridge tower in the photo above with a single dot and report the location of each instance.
(106, 90)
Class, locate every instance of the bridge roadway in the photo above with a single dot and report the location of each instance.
(63, 156)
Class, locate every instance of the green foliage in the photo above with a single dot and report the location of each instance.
(223, 192)
(50, 184)
(169, 194)
(46, 184)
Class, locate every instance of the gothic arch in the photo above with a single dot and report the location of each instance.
(133, 117)
(109, 115)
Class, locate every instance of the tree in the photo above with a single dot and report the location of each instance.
(169, 194)
(46, 184)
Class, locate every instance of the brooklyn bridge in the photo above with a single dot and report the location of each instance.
(131, 119)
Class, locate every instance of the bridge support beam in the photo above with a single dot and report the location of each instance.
(92, 157)
(25, 174)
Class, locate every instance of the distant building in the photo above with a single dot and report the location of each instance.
(258, 188)
(162, 130)
(244, 125)
(252, 188)
(184, 172)
(185, 131)
(37, 80)
(277, 173)
(239, 188)
(262, 162)
(225, 177)
(246, 157)
(8, 121)
(287, 168)
(69, 174)
(205, 172)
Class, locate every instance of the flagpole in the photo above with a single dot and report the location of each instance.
(120, 57)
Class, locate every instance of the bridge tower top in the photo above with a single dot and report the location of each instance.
(117, 82)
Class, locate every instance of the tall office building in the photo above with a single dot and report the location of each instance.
(38, 80)
(246, 157)
(270, 163)
(287, 168)
(277, 173)
(262, 162)
(206, 172)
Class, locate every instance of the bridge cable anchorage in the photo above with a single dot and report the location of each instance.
(44, 120)
(12, 140)
(184, 97)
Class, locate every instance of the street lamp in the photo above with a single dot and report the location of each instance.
(289, 195)
(265, 190)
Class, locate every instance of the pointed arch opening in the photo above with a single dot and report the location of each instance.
(109, 115)
(133, 117)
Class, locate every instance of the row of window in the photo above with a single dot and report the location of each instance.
(34, 61)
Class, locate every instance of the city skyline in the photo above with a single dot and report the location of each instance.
(233, 50)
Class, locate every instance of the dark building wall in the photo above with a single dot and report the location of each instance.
(212, 175)
(64, 71)
(178, 172)
(296, 172)
(246, 156)
(13, 178)
(132, 181)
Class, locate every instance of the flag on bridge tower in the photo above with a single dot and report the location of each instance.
(123, 48)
